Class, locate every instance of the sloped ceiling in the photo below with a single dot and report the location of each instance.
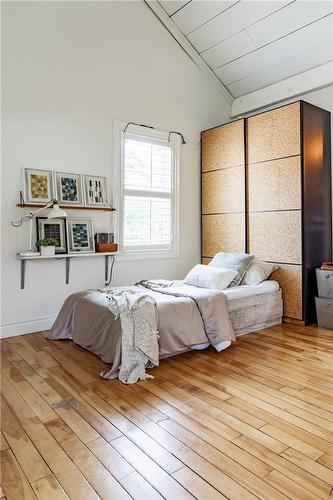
(250, 45)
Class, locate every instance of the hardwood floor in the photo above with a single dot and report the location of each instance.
(254, 421)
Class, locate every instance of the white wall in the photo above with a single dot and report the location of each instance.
(69, 69)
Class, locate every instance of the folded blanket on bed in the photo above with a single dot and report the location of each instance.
(212, 306)
(139, 344)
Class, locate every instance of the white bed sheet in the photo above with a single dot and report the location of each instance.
(236, 296)
(240, 292)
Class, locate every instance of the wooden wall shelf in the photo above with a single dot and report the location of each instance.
(68, 256)
(69, 207)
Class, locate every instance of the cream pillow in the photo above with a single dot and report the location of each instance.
(239, 262)
(210, 277)
(258, 272)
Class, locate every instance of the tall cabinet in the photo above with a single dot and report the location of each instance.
(275, 201)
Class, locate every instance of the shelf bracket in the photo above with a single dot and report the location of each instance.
(106, 268)
(22, 273)
(67, 270)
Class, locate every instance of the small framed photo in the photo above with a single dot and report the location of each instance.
(53, 228)
(95, 189)
(80, 235)
(69, 188)
(38, 186)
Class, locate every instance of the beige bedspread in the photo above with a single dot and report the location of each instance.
(187, 316)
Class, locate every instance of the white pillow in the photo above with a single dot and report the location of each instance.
(258, 272)
(210, 277)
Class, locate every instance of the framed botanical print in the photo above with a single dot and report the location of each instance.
(69, 188)
(80, 235)
(53, 228)
(95, 189)
(38, 186)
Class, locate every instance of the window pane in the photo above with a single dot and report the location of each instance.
(147, 221)
(147, 166)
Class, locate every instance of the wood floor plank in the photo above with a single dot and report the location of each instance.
(139, 488)
(48, 488)
(70, 478)
(309, 465)
(59, 406)
(26, 454)
(127, 476)
(254, 421)
(283, 425)
(155, 475)
(13, 481)
(288, 487)
(231, 468)
(214, 476)
(199, 430)
(290, 417)
(327, 460)
(3, 442)
(292, 441)
(99, 477)
(145, 429)
(197, 486)
(40, 408)
(300, 394)
(102, 426)
(110, 458)
(287, 468)
(208, 391)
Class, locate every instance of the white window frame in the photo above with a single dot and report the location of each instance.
(141, 253)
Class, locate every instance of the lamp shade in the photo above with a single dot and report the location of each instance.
(56, 212)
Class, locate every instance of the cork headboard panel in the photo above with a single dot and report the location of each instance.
(223, 190)
(274, 199)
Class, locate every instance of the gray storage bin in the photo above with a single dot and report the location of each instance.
(324, 312)
(325, 283)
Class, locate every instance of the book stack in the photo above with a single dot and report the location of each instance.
(327, 266)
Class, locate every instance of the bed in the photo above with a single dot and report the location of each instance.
(86, 319)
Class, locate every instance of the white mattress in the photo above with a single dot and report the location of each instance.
(240, 292)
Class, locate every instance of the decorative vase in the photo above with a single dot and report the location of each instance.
(47, 251)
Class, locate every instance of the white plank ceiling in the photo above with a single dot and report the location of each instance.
(250, 44)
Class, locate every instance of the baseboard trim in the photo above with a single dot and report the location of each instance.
(293, 321)
(16, 329)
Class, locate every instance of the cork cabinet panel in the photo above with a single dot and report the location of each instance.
(223, 191)
(205, 260)
(223, 146)
(290, 281)
(276, 236)
(274, 134)
(275, 185)
(223, 233)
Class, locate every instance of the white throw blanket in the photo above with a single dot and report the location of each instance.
(138, 318)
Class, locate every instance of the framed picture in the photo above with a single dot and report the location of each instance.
(80, 235)
(53, 228)
(69, 188)
(95, 189)
(38, 186)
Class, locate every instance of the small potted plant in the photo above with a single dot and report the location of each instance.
(47, 246)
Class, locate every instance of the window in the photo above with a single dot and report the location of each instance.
(149, 181)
